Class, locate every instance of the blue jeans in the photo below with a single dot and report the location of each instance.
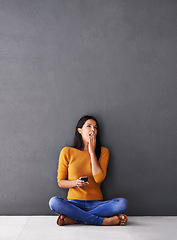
(88, 211)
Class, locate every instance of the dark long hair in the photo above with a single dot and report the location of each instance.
(78, 142)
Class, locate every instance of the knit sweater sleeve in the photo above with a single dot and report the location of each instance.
(103, 161)
(63, 164)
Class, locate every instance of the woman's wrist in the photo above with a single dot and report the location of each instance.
(67, 183)
(74, 183)
(92, 153)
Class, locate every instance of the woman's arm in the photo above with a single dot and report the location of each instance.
(95, 164)
(94, 161)
(99, 167)
(66, 183)
(72, 183)
(63, 170)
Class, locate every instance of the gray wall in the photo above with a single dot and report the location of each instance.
(62, 59)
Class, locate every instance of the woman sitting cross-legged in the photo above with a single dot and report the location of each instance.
(82, 168)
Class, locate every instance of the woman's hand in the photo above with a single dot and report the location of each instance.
(80, 183)
(92, 143)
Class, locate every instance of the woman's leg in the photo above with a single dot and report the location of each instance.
(69, 209)
(108, 208)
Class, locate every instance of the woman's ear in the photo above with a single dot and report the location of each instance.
(79, 130)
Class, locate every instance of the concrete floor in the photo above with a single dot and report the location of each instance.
(45, 228)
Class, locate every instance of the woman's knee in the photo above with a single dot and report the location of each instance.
(53, 201)
(123, 202)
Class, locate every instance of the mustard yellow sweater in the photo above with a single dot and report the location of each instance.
(75, 163)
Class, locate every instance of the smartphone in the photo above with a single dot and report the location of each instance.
(84, 178)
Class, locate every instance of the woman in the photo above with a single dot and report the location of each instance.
(84, 202)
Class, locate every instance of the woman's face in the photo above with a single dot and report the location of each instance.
(89, 127)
